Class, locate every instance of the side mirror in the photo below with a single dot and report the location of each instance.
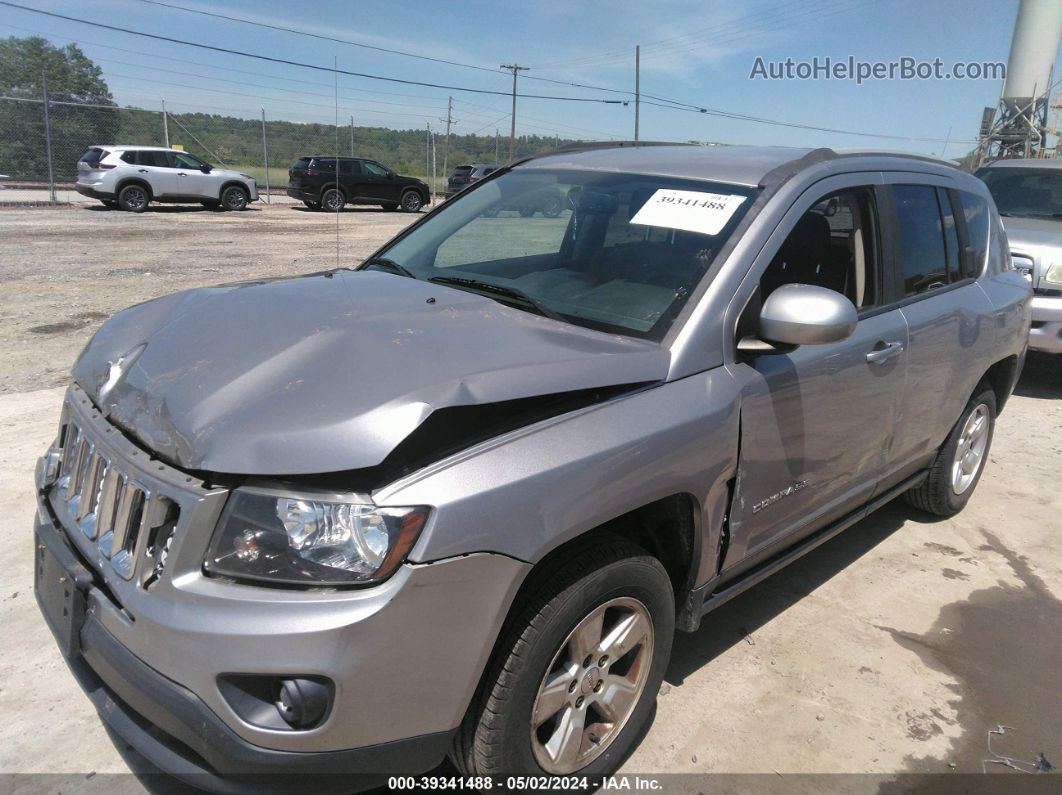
(801, 314)
(206, 168)
(390, 175)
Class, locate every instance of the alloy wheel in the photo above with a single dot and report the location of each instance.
(970, 452)
(592, 686)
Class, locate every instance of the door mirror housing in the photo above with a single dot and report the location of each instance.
(802, 314)
(206, 168)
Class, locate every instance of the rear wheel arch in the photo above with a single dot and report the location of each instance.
(125, 183)
(1001, 376)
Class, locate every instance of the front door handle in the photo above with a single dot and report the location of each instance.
(883, 352)
(181, 174)
(142, 170)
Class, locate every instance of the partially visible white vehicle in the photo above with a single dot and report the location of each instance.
(131, 177)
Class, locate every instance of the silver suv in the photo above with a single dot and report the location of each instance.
(1029, 196)
(457, 500)
(131, 177)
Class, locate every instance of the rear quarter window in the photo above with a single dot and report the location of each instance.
(94, 155)
(975, 211)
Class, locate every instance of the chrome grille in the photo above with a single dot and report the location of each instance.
(106, 504)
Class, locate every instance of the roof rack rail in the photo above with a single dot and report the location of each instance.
(589, 146)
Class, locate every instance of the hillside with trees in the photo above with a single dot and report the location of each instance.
(83, 113)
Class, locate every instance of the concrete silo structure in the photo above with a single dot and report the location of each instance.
(1019, 128)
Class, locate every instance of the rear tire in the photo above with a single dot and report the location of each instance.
(527, 212)
(110, 204)
(956, 471)
(133, 198)
(390, 207)
(584, 659)
(333, 200)
(234, 198)
(313, 205)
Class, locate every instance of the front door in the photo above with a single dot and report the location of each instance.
(380, 183)
(191, 181)
(816, 423)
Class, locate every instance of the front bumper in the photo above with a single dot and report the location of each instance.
(1046, 332)
(404, 656)
(173, 729)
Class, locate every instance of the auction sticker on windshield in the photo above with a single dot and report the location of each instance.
(690, 210)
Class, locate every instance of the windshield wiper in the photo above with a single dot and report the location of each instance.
(511, 293)
(391, 265)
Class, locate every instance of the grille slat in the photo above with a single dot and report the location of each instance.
(105, 502)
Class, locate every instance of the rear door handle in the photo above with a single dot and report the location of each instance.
(883, 352)
(181, 174)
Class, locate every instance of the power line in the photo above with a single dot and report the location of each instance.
(332, 70)
(377, 48)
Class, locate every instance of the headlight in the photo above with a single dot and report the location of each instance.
(304, 541)
(1054, 273)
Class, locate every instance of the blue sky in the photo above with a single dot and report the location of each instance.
(700, 52)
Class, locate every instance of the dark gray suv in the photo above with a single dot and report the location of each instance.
(457, 500)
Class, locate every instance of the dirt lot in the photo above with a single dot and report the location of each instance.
(892, 649)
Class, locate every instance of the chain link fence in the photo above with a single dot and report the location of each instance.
(42, 139)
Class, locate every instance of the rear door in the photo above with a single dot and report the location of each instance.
(816, 423)
(945, 311)
(155, 166)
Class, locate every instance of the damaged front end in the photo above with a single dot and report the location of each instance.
(361, 374)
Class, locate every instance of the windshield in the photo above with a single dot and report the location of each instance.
(1025, 192)
(614, 252)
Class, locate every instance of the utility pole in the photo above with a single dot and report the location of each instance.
(496, 155)
(265, 157)
(446, 145)
(165, 127)
(352, 136)
(514, 68)
(637, 87)
(427, 149)
(48, 136)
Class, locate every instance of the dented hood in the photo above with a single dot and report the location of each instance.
(329, 372)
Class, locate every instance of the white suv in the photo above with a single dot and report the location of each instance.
(130, 177)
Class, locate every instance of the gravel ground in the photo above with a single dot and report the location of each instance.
(891, 650)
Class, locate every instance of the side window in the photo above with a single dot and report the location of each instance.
(186, 161)
(325, 165)
(923, 258)
(374, 169)
(833, 245)
(130, 157)
(349, 167)
(951, 236)
(975, 211)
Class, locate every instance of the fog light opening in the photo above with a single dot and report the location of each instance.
(302, 703)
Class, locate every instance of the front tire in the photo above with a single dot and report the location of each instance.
(552, 207)
(234, 198)
(133, 198)
(411, 202)
(575, 677)
(957, 469)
